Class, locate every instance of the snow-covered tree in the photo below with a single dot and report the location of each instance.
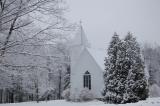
(136, 86)
(151, 55)
(67, 78)
(125, 79)
(27, 27)
(111, 74)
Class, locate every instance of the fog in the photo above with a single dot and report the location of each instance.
(101, 18)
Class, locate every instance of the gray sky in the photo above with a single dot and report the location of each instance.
(101, 18)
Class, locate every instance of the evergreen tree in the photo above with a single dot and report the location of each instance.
(136, 87)
(67, 78)
(152, 61)
(111, 76)
(152, 72)
(125, 79)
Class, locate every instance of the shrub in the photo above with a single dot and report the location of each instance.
(86, 95)
(66, 94)
(154, 90)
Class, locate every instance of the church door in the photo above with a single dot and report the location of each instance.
(87, 80)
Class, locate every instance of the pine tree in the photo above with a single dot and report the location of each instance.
(136, 87)
(67, 78)
(111, 75)
(151, 56)
(125, 79)
(152, 72)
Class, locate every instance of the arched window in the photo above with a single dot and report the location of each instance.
(87, 80)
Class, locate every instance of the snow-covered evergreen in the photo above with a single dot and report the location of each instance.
(111, 76)
(152, 57)
(125, 79)
(67, 78)
(136, 87)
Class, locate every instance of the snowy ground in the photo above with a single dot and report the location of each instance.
(149, 102)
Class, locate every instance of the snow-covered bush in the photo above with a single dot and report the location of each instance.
(86, 95)
(154, 91)
(66, 94)
(49, 94)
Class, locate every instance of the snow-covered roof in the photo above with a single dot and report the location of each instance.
(99, 56)
(80, 38)
(79, 42)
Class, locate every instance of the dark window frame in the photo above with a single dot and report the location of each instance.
(87, 80)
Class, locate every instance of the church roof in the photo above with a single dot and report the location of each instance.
(80, 38)
(99, 56)
(80, 43)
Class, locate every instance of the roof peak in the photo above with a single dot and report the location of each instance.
(80, 38)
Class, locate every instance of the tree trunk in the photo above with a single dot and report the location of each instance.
(60, 83)
(1, 92)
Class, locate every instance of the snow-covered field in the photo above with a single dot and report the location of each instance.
(148, 102)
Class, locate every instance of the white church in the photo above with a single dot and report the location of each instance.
(87, 66)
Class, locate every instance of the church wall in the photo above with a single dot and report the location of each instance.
(84, 63)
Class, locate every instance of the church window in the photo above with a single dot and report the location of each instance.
(87, 80)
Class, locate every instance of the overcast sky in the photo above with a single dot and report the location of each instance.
(101, 18)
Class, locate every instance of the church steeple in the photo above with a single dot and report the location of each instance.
(80, 38)
(78, 44)
(81, 29)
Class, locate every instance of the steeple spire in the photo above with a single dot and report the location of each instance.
(81, 29)
(80, 37)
